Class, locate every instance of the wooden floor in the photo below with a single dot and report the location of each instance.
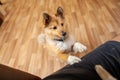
(91, 21)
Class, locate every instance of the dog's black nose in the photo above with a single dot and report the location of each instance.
(63, 33)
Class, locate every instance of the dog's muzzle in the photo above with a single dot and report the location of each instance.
(63, 33)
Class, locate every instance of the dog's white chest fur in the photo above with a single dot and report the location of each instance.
(62, 45)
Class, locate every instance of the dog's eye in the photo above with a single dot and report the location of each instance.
(54, 27)
(62, 24)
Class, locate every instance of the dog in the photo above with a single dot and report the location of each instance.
(56, 38)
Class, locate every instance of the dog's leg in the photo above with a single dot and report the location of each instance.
(41, 39)
(78, 47)
(68, 58)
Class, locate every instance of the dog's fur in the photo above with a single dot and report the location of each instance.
(56, 37)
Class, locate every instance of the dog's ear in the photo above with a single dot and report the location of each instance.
(46, 19)
(60, 13)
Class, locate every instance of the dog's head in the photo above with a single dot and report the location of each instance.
(55, 26)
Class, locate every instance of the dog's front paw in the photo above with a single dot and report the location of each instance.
(41, 38)
(61, 46)
(78, 47)
(73, 59)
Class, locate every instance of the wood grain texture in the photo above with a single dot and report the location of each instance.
(92, 22)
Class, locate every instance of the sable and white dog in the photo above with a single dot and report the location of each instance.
(56, 38)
